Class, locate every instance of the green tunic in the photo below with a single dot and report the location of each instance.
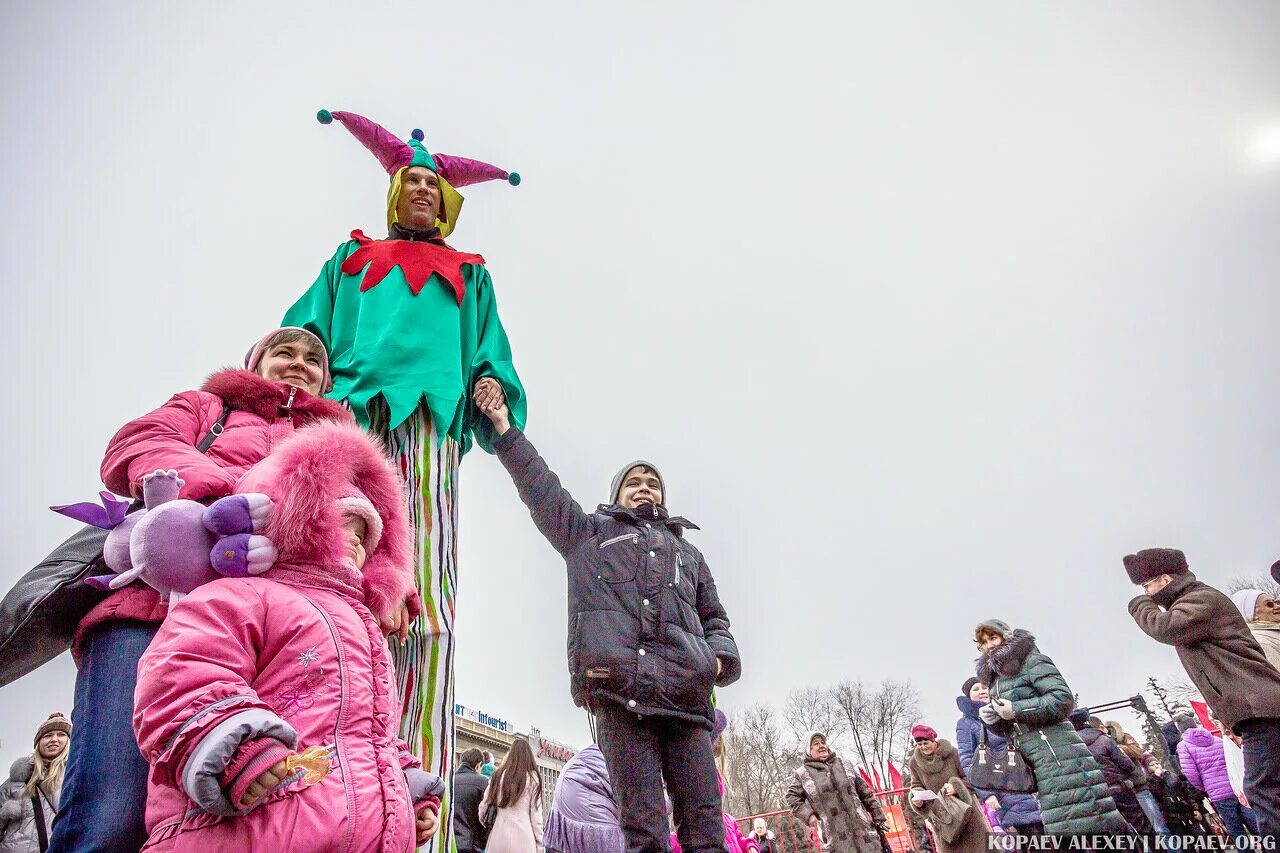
(412, 348)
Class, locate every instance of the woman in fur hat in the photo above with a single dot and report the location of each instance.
(1030, 703)
(34, 779)
(934, 766)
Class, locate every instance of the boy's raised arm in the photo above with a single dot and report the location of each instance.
(555, 512)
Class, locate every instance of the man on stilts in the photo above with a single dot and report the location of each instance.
(413, 333)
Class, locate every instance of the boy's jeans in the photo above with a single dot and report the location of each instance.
(1262, 771)
(642, 752)
(1237, 819)
(104, 794)
(1147, 800)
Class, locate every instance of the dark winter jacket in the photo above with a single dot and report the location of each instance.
(843, 802)
(645, 621)
(933, 773)
(468, 789)
(1204, 763)
(1073, 795)
(1215, 645)
(1117, 768)
(1015, 809)
(1172, 737)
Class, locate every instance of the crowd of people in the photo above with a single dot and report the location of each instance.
(1080, 775)
(270, 665)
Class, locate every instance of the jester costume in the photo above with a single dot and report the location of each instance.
(411, 325)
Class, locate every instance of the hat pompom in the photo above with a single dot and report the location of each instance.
(324, 117)
(418, 134)
(514, 179)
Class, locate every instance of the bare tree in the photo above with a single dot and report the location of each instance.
(812, 709)
(758, 762)
(1265, 584)
(878, 719)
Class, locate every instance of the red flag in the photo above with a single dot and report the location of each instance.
(879, 784)
(865, 777)
(895, 777)
(1202, 712)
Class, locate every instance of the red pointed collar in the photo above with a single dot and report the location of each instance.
(417, 260)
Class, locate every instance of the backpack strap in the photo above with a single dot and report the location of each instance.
(215, 430)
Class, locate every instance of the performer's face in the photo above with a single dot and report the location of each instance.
(419, 202)
(640, 486)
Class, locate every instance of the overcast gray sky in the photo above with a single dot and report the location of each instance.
(929, 312)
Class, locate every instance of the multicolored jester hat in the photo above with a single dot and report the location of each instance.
(417, 260)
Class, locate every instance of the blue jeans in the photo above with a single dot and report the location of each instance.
(1238, 819)
(104, 792)
(1262, 771)
(1147, 800)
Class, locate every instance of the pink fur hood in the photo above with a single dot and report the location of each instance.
(305, 477)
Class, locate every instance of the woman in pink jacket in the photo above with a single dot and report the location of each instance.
(266, 705)
(278, 391)
(516, 790)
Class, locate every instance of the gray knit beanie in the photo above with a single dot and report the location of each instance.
(616, 485)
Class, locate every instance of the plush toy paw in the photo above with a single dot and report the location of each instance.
(238, 514)
(243, 555)
(161, 487)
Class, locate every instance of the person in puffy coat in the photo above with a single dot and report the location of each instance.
(584, 815)
(1018, 814)
(1117, 768)
(35, 781)
(266, 705)
(1030, 703)
(648, 639)
(1204, 762)
(516, 789)
(278, 391)
(1180, 803)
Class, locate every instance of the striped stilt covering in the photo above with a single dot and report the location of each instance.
(424, 665)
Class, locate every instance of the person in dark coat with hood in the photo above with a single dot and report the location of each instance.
(1178, 800)
(1117, 768)
(1030, 703)
(1223, 660)
(648, 640)
(1017, 813)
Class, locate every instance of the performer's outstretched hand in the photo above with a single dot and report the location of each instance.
(493, 406)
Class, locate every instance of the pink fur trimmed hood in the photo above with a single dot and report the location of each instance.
(307, 477)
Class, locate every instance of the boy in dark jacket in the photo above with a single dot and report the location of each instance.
(648, 639)
(1223, 659)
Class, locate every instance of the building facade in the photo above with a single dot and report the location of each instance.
(494, 735)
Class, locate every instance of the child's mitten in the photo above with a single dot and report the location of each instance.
(251, 760)
(242, 555)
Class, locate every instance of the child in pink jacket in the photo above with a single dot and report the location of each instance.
(266, 705)
(279, 389)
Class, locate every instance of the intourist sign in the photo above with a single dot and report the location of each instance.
(482, 718)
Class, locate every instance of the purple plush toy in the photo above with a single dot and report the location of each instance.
(174, 544)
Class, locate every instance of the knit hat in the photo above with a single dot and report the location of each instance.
(813, 735)
(616, 486)
(721, 723)
(923, 732)
(253, 357)
(1001, 628)
(1079, 718)
(1246, 601)
(1186, 721)
(968, 685)
(1151, 563)
(56, 723)
(395, 156)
